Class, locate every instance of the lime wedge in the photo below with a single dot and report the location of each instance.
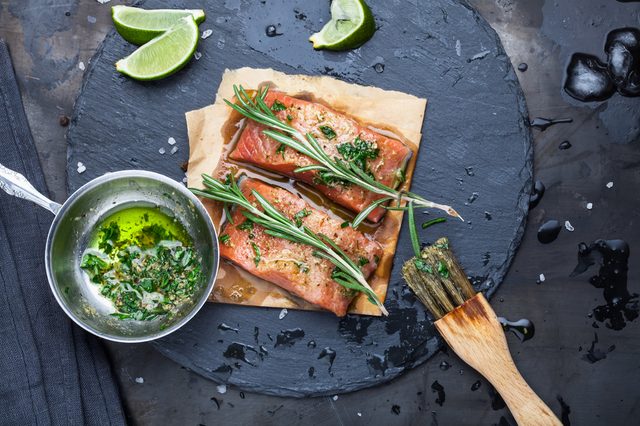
(139, 26)
(350, 26)
(163, 55)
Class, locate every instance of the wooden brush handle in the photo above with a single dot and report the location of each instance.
(472, 330)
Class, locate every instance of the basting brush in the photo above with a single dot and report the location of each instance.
(470, 327)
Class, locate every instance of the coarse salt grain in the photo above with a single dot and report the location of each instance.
(174, 150)
(542, 278)
(609, 185)
(206, 33)
(334, 397)
(171, 141)
(283, 313)
(91, 19)
(103, 1)
(81, 168)
(197, 55)
(589, 206)
(81, 66)
(162, 151)
(568, 225)
(359, 414)
(139, 380)
(222, 389)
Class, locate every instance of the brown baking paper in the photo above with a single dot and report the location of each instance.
(397, 112)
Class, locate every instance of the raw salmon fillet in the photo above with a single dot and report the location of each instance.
(290, 265)
(309, 117)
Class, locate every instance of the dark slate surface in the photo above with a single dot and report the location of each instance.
(476, 119)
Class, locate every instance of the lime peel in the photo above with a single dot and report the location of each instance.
(351, 25)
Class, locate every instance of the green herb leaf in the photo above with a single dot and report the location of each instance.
(359, 152)
(442, 269)
(412, 230)
(256, 251)
(328, 132)
(362, 261)
(278, 106)
(431, 222)
(281, 149)
(301, 215)
(224, 239)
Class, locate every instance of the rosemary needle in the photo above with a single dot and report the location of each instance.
(276, 224)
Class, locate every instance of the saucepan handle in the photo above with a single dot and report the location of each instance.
(13, 183)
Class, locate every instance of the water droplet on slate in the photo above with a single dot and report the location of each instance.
(564, 145)
(588, 79)
(522, 67)
(475, 386)
(444, 366)
(536, 195)
(379, 67)
(272, 31)
(549, 231)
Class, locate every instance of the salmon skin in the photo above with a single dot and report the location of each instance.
(385, 159)
(290, 265)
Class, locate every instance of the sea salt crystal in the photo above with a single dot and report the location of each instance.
(81, 168)
(610, 185)
(139, 380)
(103, 1)
(221, 389)
(162, 151)
(542, 278)
(174, 150)
(171, 141)
(359, 414)
(589, 206)
(334, 397)
(568, 225)
(81, 66)
(458, 48)
(206, 33)
(91, 19)
(197, 55)
(283, 313)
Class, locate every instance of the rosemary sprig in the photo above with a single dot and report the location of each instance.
(276, 224)
(337, 169)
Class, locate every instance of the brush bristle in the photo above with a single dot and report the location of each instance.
(437, 279)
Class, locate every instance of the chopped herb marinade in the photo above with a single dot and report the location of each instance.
(359, 152)
(147, 275)
(328, 132)
(278, 106)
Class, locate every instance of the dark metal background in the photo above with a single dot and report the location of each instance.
(47, 46)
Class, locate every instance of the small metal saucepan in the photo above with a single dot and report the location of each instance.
(76, 219)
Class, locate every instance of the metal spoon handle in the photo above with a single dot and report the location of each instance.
(13, 183)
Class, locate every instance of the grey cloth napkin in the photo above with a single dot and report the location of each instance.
(51, 371)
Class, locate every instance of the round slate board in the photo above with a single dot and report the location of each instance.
(476, 155)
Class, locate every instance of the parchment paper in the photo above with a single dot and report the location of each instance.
(400, 113)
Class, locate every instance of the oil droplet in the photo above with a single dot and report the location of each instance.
(379, 67)
(613, 258)
(564, 145)
(330, 354)
(395, 409)
(536, 194)
(288, 337)
(225, 327)
(311, 344)
(378, 363)
(523, 329)
(623, 58)
(272, 31)
(312, 371)
(544, 123)
(439, 389)
(444, 366)
(475, 386)
(469, 171)
(548, 231)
